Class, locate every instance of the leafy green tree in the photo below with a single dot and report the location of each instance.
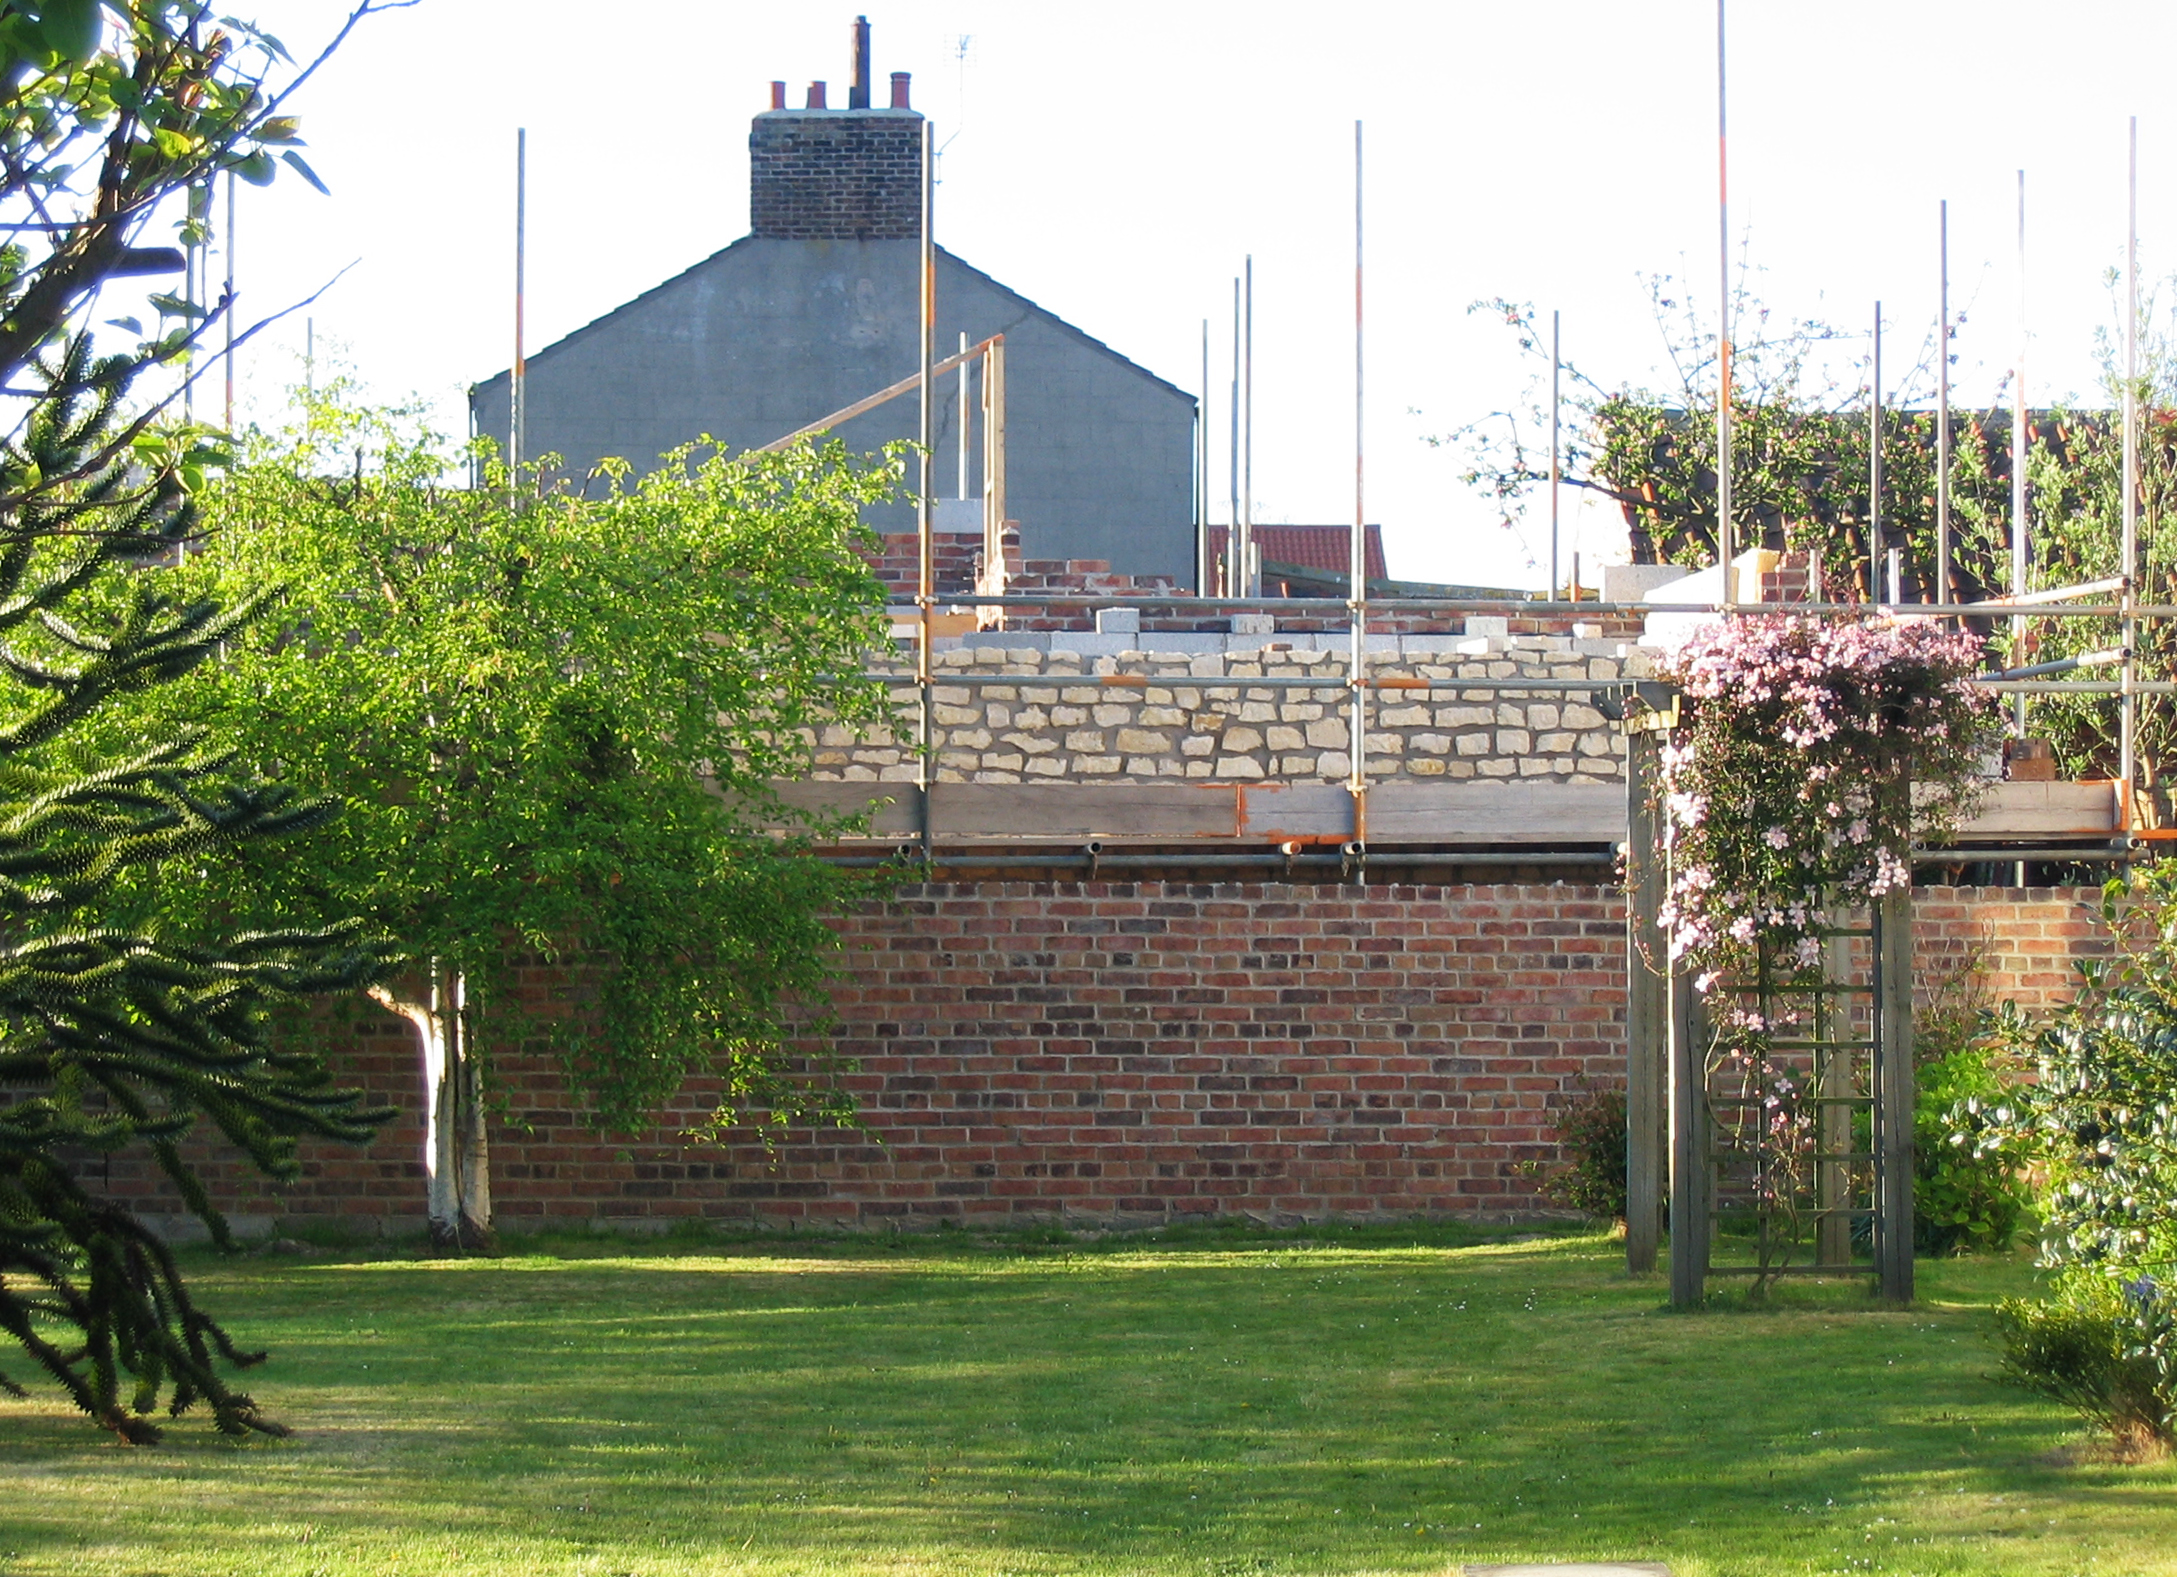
(121, 1023)
(1800, 481)
(2099, 1120)
(1800, 452)
(553, 723)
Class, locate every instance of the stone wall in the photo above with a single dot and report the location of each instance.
(1129, 1052)
(1194, 715)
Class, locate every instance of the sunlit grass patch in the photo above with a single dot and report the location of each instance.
(1209, 1400)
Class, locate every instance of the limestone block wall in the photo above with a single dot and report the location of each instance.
(1196, 715)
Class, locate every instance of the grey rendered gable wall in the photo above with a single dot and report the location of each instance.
(769, 334)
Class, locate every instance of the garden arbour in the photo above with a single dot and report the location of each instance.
(1780, 776)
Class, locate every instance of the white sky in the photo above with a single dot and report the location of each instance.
(1115, 162)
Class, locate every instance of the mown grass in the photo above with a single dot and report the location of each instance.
(1373, 1401)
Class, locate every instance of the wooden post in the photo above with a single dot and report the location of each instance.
(1647, 1013)
(1689, 1145)
(994, 455)
(1835, 1019)
(1893, 1095)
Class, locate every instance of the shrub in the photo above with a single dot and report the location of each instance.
(2079, 1349)
(1591, 1130)
(1969, 1187)
(2102, 1118)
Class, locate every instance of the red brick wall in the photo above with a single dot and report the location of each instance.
(1133, 1050)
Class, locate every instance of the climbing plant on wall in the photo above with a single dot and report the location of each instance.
(1809, 753)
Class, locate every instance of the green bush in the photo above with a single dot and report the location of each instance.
(2081, 1349)
(1591, 1130)
(1969, 1191)
(2100, 1118)
(1969, 1187)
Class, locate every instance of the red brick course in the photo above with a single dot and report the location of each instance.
(1134, 1051)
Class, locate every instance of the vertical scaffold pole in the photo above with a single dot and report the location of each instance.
(1942, 404)
(925, 543)
(1726, 547)
(1232, 585)
(1201, 478)
(517, 439)
(1247, 586)
(1556, 470)
(2128, 745)
(2019, 452)
(1357, 556)
(1874, 466)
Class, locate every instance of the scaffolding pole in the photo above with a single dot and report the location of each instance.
(1357, 557)
(1201, 478)
(1874, 469)
(518, 380)
(925, 524)
(1942, 404)
(2019, 442)
(1247, 583)
(2128, 704)
(1556, 469)
(1725, 544)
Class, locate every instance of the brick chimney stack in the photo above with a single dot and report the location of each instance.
(820, 174)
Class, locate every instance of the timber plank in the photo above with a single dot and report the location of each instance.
(1084, 810)
(2045, 810)
(1414, 812)
(1399, 811)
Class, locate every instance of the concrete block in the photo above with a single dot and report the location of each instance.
(1118, 621)
(1632, 582)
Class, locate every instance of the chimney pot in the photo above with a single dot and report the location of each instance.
(816, 96)
(778, 95)
(900, 80)
(858, 94)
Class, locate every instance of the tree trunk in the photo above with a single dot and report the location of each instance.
(456, 1151)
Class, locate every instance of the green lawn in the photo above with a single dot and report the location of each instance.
(1394, 1401)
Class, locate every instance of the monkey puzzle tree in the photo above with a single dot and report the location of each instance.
(553, 723)
(121, 1024)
